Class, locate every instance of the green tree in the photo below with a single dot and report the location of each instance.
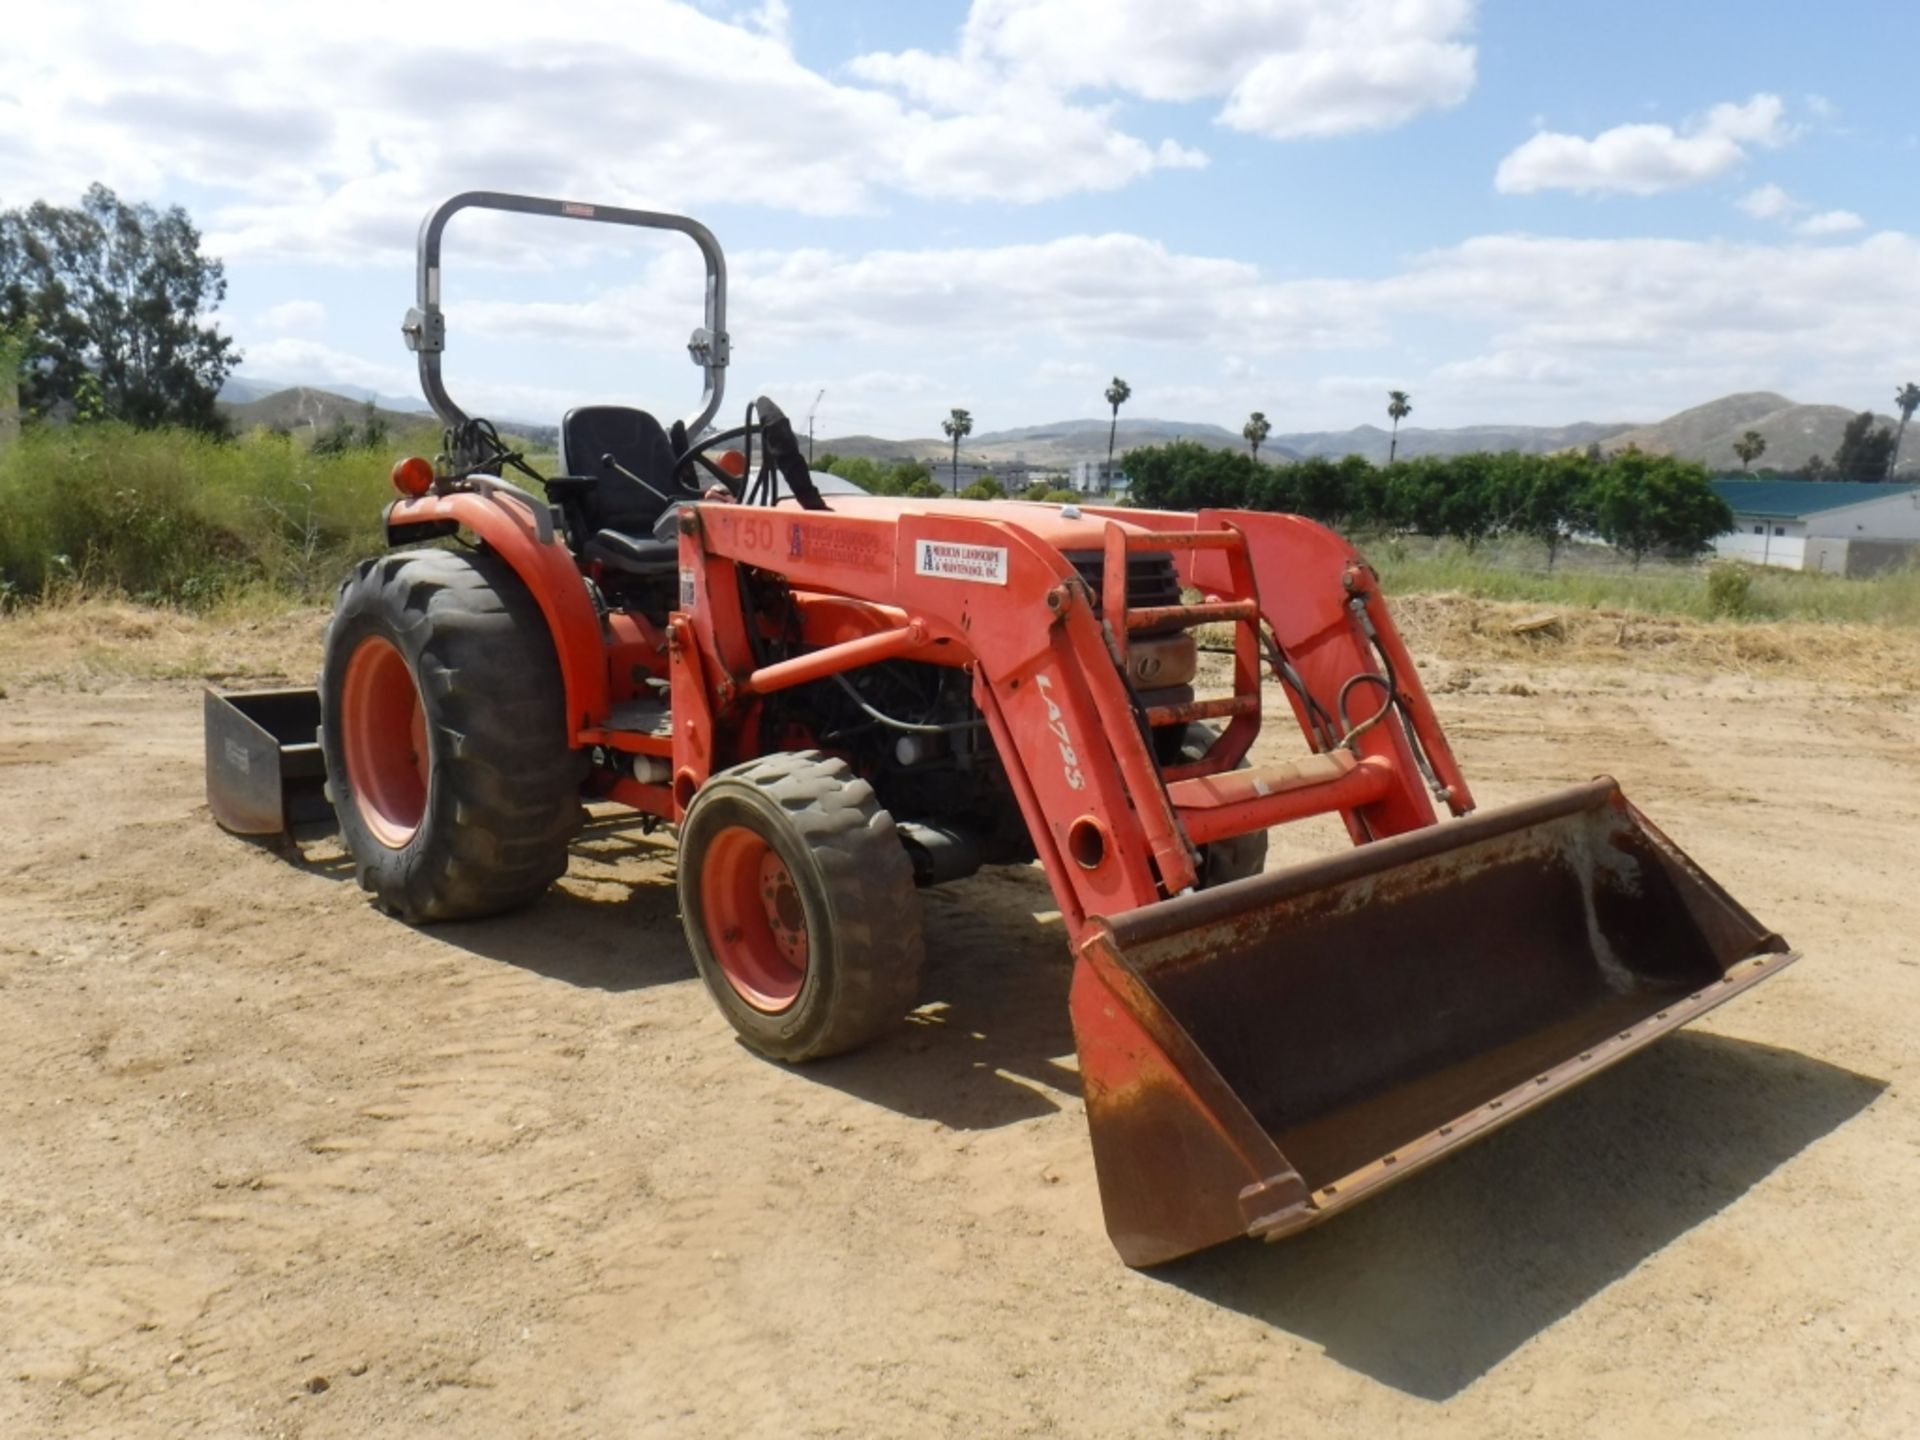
(373, 427)
(1864, 453)
(1399, 406)
(1546, 497)
(957, 426)
(862, 471)
(904, 476)
(1642, 503)
(1118, 393)
(119, 293)
(985, 488)
(1255, 432)
(1907, 397)
(13, 352)
(1320, 488)
(1750, 447)
(1186, 475)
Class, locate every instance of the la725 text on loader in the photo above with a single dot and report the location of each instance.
(838, 699)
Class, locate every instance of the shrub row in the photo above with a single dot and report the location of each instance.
(1640, 503)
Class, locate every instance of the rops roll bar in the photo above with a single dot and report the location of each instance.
(425, 327)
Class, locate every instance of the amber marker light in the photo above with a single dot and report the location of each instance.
(413, 476)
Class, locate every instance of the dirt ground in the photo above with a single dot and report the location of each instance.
(275, 1165)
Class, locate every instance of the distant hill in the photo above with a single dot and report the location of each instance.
(240, 389)
(304, 409)
(1793, 432)
(308, 410)
(872, 447)
(1374, 442)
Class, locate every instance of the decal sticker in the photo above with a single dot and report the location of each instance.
(238, 757)
(844, 545)
(984, 564)
(1057, 723)
(686, 591)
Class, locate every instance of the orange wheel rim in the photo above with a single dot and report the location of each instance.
(755, 922)
(384, 730)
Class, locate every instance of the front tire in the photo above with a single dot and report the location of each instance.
(443, 725)
(799, 905)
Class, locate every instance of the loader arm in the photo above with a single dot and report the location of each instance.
(983, 594)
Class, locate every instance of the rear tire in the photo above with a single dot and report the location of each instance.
(799, 905)
(443, 724)
(1222, 860)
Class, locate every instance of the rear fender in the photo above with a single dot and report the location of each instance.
(547, 569)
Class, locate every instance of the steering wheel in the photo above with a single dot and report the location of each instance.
(783, 454)
(697, 454)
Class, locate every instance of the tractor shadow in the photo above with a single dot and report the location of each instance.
(612, 924)
(991, 1044)
(1431, 1285)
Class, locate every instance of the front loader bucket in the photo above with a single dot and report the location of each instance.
(1259, 1056)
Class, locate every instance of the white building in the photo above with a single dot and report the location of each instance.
(1843, 527)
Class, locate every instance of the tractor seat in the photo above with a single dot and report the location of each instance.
(645, 556)
(622, 520)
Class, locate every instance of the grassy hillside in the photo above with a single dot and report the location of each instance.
(1792, 431)
(309, 411)
(173, 517)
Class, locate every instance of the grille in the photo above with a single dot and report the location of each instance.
(1151, 578)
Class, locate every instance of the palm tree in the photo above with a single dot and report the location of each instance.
(958, 426)
(1907, 397)
(1255, 431)
(1118, 393)
(1750, 447)
(1398, 408)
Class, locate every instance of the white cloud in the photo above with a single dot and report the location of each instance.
(1644, 159)
(1769, 202)
(293, 316)
(308, 362)
(1831, 222)
(1543, 301)
(1535, 327)
(849, 403)
(332, 148)
(1066, 372)
(1078, 289)
(1760, 121)
(773, 19)
(311, 362)
(1283, 68)
(1525, 367)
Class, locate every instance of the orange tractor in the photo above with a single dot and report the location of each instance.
(837, 699)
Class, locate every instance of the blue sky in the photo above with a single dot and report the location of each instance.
(1516, 211)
